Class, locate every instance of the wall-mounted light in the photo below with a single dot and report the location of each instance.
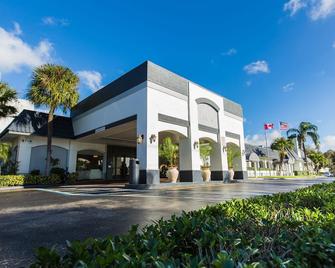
(243, 152)
(224, 148)
(140, 139)
(152, 138)
(196, 145)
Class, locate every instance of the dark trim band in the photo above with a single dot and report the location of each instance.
(173, 120)
(208, 129)
(232, 135)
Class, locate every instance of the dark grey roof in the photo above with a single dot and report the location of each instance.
(261, 151)
(35, 123)
(147, 71)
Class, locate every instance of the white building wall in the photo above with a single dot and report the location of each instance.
(26, 143)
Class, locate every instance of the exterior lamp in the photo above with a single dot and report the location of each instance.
(140, 139)
(243, 152)
(196, 145)
(224, 148)
(152, 138)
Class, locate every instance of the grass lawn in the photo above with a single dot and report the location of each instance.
(288, 177)
(295, 229)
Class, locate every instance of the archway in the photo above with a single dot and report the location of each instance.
(89, 164)
(234, 158)
(176, 139)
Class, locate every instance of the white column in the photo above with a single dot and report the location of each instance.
(147, 152)
(23, 154)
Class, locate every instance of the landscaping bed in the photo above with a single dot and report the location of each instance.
(294, 229)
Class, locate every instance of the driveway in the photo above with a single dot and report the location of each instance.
(46, 217)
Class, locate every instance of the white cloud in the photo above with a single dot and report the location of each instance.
(229, 52)
(293, 6)
(259, 139)
(316, 9)
(328, 143)
(256, 67)
(322, 9)
(15, 53)
(92, 79)
(52, 21)
(288, 87)
(17, 29)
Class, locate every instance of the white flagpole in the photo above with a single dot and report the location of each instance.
(266, 143)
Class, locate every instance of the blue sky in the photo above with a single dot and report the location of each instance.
(276, 58)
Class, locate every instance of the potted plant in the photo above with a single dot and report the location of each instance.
(233, 153)
(169, 152)
(205, 152)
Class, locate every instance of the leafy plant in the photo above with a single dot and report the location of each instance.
(7, 97)
(295, 229)
(282, 145)
(233, 154)
(56, 87)
(305, 129)
(318, 159)
(205, 152)
(169, 151)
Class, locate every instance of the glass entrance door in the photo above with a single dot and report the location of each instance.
(118, 159)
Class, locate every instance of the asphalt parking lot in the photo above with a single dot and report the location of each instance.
(46, 217)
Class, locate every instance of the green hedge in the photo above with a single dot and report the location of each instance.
(294, 229)
(15, 180)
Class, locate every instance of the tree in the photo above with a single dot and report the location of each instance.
(305, 130)
(169, 151)
(233, 153)
(319, 160)
(4, 153)
(56, 87)
(282, 145)
(205, 152)
(7, 96)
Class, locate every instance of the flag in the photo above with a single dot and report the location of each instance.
(268, 126)
(283, 126)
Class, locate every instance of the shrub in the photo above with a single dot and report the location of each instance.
(269, 231)
(16, 180)
(71, 178)
(35, 172)
(58, 171)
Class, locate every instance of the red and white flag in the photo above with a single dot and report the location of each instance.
(268, 126)
(283, 126)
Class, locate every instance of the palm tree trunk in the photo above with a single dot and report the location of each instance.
(305, 156)
(49, 140)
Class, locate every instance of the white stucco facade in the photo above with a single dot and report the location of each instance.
(149, 102)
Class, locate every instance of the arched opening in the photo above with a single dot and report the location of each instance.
(38, 157)
(234, 159)
(89, 164)
(169, 152)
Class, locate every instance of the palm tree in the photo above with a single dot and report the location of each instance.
(4, 153)
(56, 87)
(7, 95)
(282, 145)
(305, 129)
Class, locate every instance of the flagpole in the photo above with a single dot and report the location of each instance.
(266, 143)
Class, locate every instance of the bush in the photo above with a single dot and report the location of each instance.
(16, 180)
(58, 171)
(71, 178)
(35, 172)
(294, 229)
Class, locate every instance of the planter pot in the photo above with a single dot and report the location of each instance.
(172, 174)
(231, 174)
(206, 174)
